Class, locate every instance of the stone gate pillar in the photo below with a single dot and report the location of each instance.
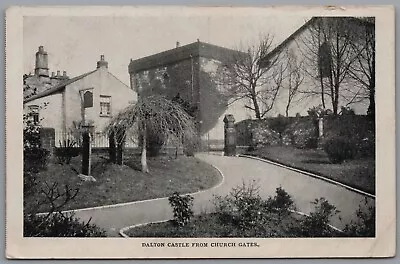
(230, 136)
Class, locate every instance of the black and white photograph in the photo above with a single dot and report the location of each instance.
(188, 132)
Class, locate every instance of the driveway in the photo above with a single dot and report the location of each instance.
(236, 170)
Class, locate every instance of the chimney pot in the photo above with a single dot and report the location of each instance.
(41, 49)
(102, 57)
(58, 73)
(53, 74)
(64, 73)
(177, 44)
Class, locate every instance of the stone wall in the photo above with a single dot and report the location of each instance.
(302, 132)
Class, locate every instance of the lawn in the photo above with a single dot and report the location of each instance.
(126, 183)
(209, 225)
(358, 173)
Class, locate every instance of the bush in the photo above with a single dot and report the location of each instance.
(316, 225)
(282, 203)
(243, 207)
(339, 149)
(35, 159)
(365, 224)
(67, 151)
(59, 225)
(182, 208)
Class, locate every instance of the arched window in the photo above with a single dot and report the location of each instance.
(87, 99)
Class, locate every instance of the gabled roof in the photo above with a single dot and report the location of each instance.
(57, 87)
(300, 30)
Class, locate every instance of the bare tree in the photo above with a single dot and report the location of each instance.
(294, 79)
(363, 70)
(251, 75)
(327, 48)
(157, 115)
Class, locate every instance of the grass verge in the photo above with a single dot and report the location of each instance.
(358, 173)
(126, 183)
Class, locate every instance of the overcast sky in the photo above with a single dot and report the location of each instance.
(74, 44)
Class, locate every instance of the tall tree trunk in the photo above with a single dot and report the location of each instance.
(287, 110)
(143, 159)
(371, 107)
(321, 79)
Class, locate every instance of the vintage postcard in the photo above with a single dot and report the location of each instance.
(200, 132)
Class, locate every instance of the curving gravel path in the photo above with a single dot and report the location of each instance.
(303, 189)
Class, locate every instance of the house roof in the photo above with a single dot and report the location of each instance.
(58, 87)
(196, 49)
(300, 30)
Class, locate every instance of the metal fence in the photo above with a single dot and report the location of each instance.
(98, 140)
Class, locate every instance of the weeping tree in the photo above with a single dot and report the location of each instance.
(154, 115)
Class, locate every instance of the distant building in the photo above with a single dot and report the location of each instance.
(91, 98)
(190, 73)
(310, 42)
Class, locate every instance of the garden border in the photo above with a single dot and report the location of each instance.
(124, 229)
(309, 174)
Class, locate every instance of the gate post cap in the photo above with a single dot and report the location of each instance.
(229, 118)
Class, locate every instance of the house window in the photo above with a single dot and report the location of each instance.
(34, 113)
(105, 105)
(87, 99)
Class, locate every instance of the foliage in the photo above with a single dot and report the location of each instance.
(67, 150)
(346, 111)
(59, 225)
(159, 116)
(182, 208)
(339, 149)
(54, 223)
(281, 204)
(302, 134)
(243, 207)
(154, 143)
(35, 157)
(317, 224)
(318, 111)
(279, 124)
(365, 224)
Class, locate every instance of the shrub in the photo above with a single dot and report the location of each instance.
(182, 208)
(35, 159)
(303, 134)
(339, 149)
(243, 207)
(316, 225)
(365, 224)
(346, 111)
(59, 225)
(282, 203)
(67, 151)
(279, 124)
